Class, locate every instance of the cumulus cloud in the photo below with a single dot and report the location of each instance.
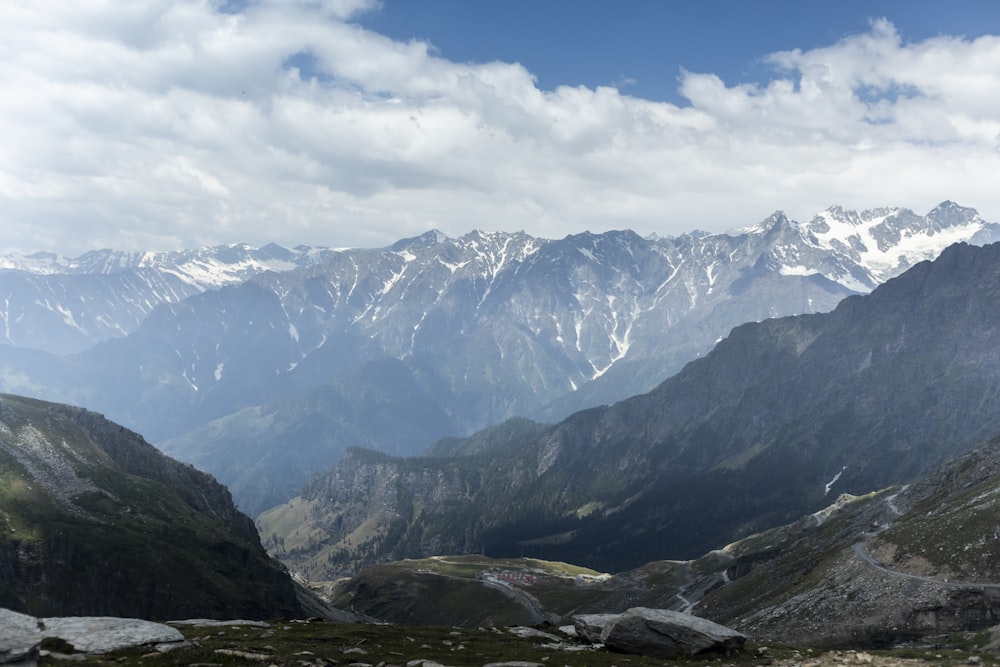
(171, 124)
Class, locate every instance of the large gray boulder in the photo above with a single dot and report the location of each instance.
(19, 638)
(659, 633)
(21, 635)
(101, 634)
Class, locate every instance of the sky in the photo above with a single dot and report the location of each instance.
(171, 124)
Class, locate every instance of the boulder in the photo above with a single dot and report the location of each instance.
(659, 633)
(19, 638)
(590, 626)
(101, 634)
(21, 635)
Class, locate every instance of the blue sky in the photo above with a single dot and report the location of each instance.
(641, 45)
(165, 124)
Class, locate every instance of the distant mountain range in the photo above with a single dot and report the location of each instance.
(65, 305)
(199, 351)
(779, 418)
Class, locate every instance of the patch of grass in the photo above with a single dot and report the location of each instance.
(301, 644)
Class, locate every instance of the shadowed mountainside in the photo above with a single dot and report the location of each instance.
(95, 521)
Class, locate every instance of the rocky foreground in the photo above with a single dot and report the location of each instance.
(25, 640)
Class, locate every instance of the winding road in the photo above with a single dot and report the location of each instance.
(860, 551)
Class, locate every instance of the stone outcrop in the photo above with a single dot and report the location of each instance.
(21, 635)
(659, 633)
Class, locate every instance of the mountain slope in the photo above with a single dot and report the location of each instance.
(95, 521)
(892, 566)
(778, 416)
(880, 569)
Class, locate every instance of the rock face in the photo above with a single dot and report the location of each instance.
(659, 633)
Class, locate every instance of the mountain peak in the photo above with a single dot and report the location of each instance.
(762, 227)
(950, 214)
(429, 238)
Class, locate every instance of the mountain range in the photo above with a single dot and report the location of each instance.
(63, 305)
(781, 416)
(199, 350)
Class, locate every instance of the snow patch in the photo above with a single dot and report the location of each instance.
(797, 271)
(833, 481)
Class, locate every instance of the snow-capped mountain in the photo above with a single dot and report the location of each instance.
(885, 242)
(203, 268)
(775, 422)
(64, 305)
(489, 325)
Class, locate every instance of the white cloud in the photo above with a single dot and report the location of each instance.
(167, 124)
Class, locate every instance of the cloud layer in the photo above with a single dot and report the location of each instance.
(146, 124)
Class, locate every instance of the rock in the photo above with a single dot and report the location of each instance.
(246, 655)
(20, 635)
(101, 634)
(660, 633)
(209, 622)
(19, 638)
(531, 633)
(590, 626)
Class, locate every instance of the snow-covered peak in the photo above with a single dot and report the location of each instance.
(203, 268)
(762, 227)
(42, 263)
(886, 241)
